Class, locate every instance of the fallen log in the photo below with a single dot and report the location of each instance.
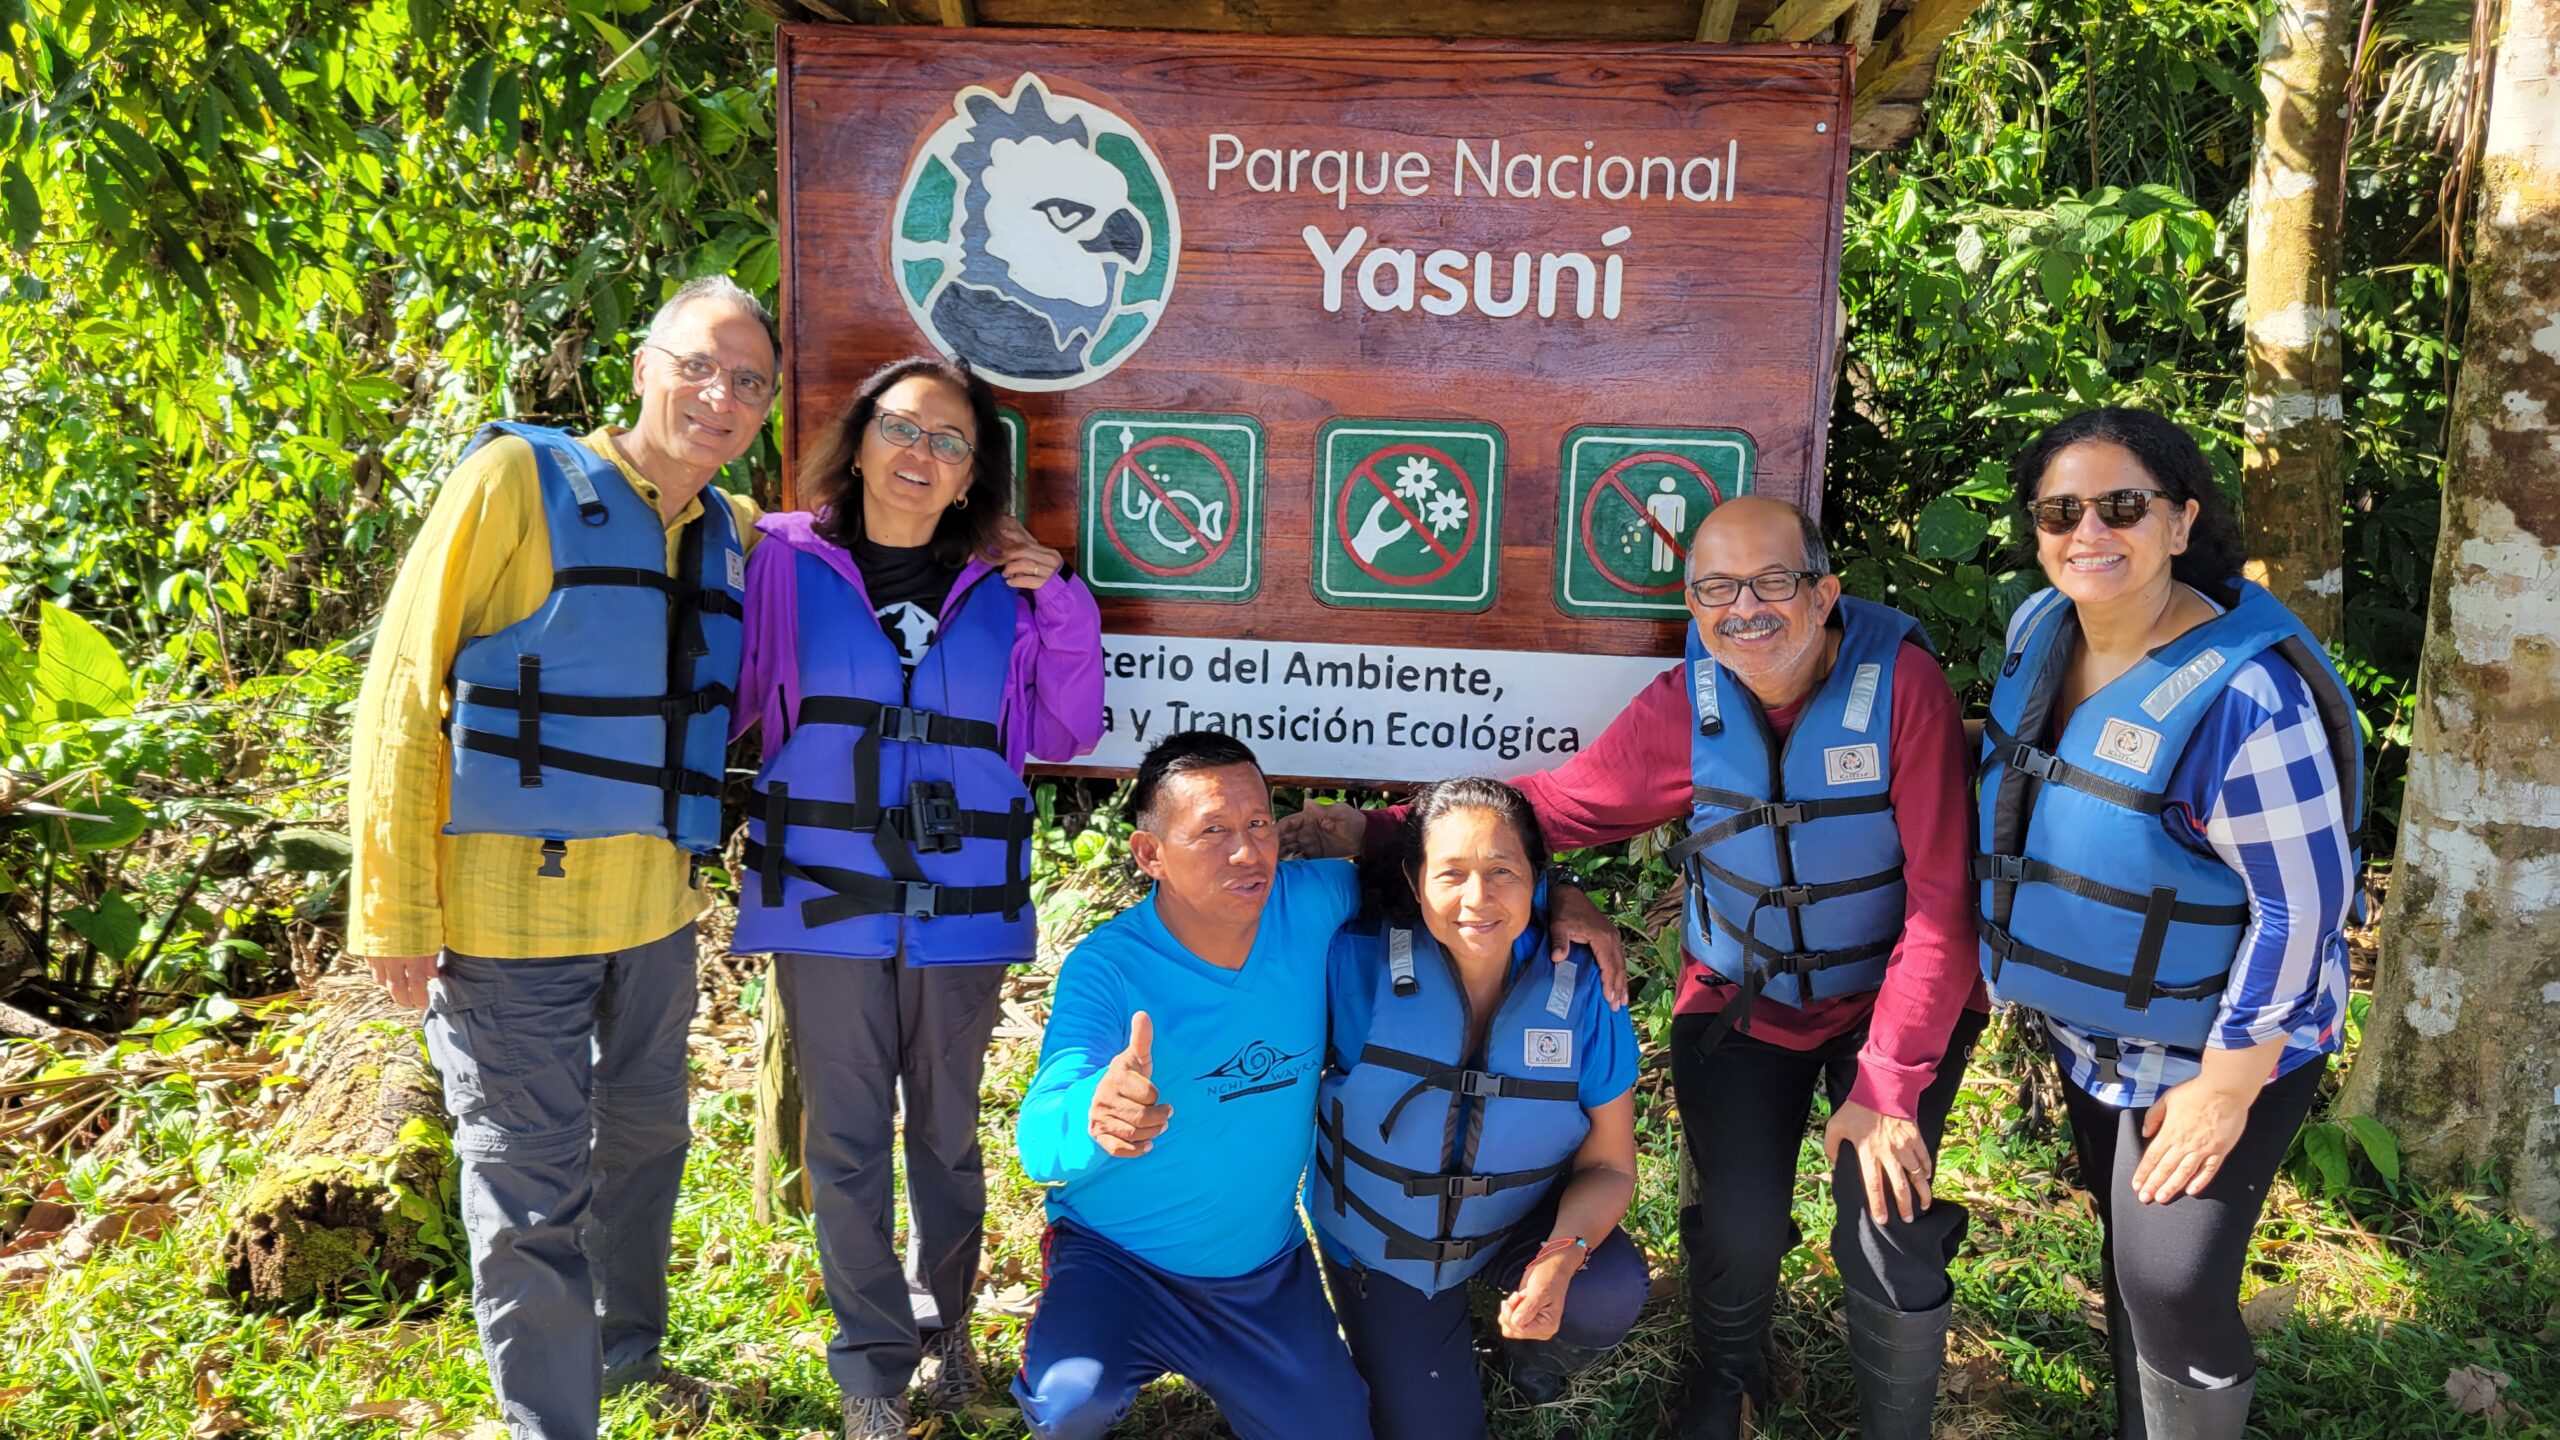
(357, 1189)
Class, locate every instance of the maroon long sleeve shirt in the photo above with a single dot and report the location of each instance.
(1635, 776)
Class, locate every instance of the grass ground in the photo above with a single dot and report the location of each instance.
(2381, 1316)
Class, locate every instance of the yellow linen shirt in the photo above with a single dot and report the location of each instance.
(482, 563)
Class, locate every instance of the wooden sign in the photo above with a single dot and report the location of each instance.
(1375, 386)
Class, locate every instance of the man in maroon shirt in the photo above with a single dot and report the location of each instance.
(1890, 1058)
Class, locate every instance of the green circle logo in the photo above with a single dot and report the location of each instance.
(1036, 236)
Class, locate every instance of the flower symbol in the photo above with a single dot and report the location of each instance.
(1446, 510)
(1415, 476)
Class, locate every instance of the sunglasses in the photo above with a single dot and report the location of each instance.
(902, 432)
(2117, 510)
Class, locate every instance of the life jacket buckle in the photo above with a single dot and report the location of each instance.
(1792, 897)
(903, 722)
(2042, 764)
(933, 817)
(1479, 1083)
(919, 899)
(1785, 812)
(1454, 1187)
(553, 851)
(2011, 869)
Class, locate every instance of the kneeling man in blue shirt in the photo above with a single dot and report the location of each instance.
(1173, 1112)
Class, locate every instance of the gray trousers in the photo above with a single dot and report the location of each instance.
(566, 1082)
(869, 1038)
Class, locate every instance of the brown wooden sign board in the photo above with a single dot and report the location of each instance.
(1374, 385)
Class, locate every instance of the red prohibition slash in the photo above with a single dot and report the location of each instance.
(1211, 550)
(1609, 480)
(1368, 470)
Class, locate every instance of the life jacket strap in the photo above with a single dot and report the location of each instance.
(1753, 814)
(1428, 1184)
(1404, 1244)
(2007, 749)
(2140, 984)
(900, 722)
(528, 744)
(2021, 870)
(550, 702)
(1792, 897)
(1459, 1080)
(931, 822)
(709, 602)
(852, 894)
(551, 757)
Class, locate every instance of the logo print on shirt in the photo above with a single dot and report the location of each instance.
(912, 626)
(1258, 1067)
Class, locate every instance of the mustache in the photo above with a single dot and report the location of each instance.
(1752, 625)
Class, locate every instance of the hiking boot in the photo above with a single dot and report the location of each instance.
(875, 1417)
(1716, 1406)
(948, 1375)
(1543, 1370)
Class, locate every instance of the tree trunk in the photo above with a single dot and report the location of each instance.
(2460, 1059)
(781, 1180)
(359, 1180)
(2291, 470)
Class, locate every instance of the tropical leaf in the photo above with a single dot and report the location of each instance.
(77, 669)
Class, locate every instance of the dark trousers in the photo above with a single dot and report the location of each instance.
(2174, 1268)
(1261, 1344)
(1743, 1109)
(872, 1038)
(1417, 1351)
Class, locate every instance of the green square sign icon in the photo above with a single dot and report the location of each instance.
(1170, 506)
(1408, 514)
(1631, 497)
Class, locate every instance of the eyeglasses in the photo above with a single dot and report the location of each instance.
(697, 370)
(2117, 509)
(1717, 591)
(902, 432)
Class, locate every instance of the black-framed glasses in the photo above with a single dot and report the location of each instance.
(750, 387)
(1717, 591)
(2117, 510)
(942, 445)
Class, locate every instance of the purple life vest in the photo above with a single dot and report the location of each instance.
(901, 828)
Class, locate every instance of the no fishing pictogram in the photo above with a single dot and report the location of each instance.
(1171, 505)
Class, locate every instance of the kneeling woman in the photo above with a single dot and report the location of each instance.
(1475, 1121)
(2169, 787)
(906, 644)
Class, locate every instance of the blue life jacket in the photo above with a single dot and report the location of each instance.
(1424, 1161)
(1793, 859)
(2090, 911)
(612, 700)
(898, 826)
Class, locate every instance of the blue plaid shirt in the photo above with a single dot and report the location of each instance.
(2256, 788)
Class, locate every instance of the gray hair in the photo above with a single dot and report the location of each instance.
(713, 287)
(1817, 555)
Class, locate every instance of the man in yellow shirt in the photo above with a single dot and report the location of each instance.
(537, 763)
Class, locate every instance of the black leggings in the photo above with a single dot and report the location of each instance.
(1743, 1106)
(2175, 1268)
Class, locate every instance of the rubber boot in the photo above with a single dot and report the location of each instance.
(2129, 1424)
(2175, 1411)
(1896, 1355)
(1542, 1370)
(1732, 1375)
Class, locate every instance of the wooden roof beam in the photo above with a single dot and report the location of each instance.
(1912, 44)
(1801, 19)
(1858, 32)
(1715, 21)
(959, 14)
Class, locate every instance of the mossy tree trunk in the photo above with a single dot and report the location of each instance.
(358, 1182)
(781, 1180)
(2462, 1052)
(2292, 467)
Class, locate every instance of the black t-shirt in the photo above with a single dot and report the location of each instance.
(907, 587)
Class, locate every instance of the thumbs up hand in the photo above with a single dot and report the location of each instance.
(1125, 1118)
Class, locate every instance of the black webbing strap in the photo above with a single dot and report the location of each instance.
(1459, 1080)
(2019, 869)
(2026, 759)
(686, 645)
(777, 819)
(1013, 856)
(528, 742)
(1332, 1170)
(1439, 1185)
(1011, 825)
(1403, 1244)
(1796, 897)
(2145, 976)
(1779, 813)
(852, 894)
(1764, 962)
(2007, 949)
(709, 602)
(551, 757)
(900, 722)
(610, 707)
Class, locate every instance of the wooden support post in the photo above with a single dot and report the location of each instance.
(958, 14)
(1912, 44)
(1715, 21)
(1858, 32)
(781, 1182)
(1800, 19)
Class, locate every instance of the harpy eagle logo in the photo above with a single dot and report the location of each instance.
(1036, 236)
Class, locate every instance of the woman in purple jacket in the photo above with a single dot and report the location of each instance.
(907, 645)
